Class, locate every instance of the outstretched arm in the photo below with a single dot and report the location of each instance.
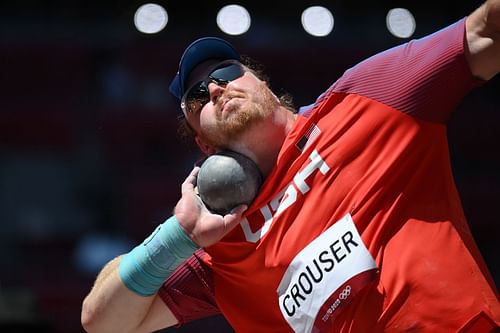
(483, 40)
(111, 307)
(125, 295)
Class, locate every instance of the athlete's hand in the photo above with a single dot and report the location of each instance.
(202, 226)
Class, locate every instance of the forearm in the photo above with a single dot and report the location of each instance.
(111, 307)
(483, 40)
(124, 297)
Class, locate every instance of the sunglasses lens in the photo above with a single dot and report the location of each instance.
(199, 95)
(227, 73)
(196, 97)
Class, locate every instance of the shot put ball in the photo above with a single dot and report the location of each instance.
(228, 179)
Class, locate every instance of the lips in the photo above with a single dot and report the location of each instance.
(220, 104)
(227, 106)
(224, 102)
(227, 102)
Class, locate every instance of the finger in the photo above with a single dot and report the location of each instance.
(232, 219)
(239, 210)
(190, 181)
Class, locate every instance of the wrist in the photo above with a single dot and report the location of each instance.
(144, 269)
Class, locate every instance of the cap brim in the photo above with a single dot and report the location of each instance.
(199, 51)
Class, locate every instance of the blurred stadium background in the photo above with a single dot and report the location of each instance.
(89, 159)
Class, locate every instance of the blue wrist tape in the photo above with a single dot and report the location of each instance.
(144, 269)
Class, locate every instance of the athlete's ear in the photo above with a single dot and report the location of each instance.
(205, 148)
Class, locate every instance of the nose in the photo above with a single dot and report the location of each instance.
(215, 90)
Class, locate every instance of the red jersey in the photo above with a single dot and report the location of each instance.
(359, 226)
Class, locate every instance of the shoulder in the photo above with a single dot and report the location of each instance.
(425, 77)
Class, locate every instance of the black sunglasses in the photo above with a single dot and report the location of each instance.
(197, 96)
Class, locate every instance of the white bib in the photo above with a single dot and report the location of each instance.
(324, 276)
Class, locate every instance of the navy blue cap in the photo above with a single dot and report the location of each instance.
(199, 51)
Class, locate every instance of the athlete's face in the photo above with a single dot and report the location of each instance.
(233, 109)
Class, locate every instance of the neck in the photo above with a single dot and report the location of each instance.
(264, 147)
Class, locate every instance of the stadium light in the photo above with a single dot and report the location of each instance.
(233, 20)
(150, 18)
(317, 21)
(400, 22)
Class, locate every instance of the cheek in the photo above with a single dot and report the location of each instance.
(194, 122)
(261, 93)
(207, 123)
(201, 119)
(205, 119)
(248, 82)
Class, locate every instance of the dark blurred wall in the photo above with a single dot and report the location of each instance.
(89, 159)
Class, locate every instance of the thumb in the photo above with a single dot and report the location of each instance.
(232, 219)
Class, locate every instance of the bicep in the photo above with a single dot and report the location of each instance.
(425, 78)
(483, 40)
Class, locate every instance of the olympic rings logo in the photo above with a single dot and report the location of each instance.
(345, 293)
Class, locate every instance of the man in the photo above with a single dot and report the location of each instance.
(358, 226)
